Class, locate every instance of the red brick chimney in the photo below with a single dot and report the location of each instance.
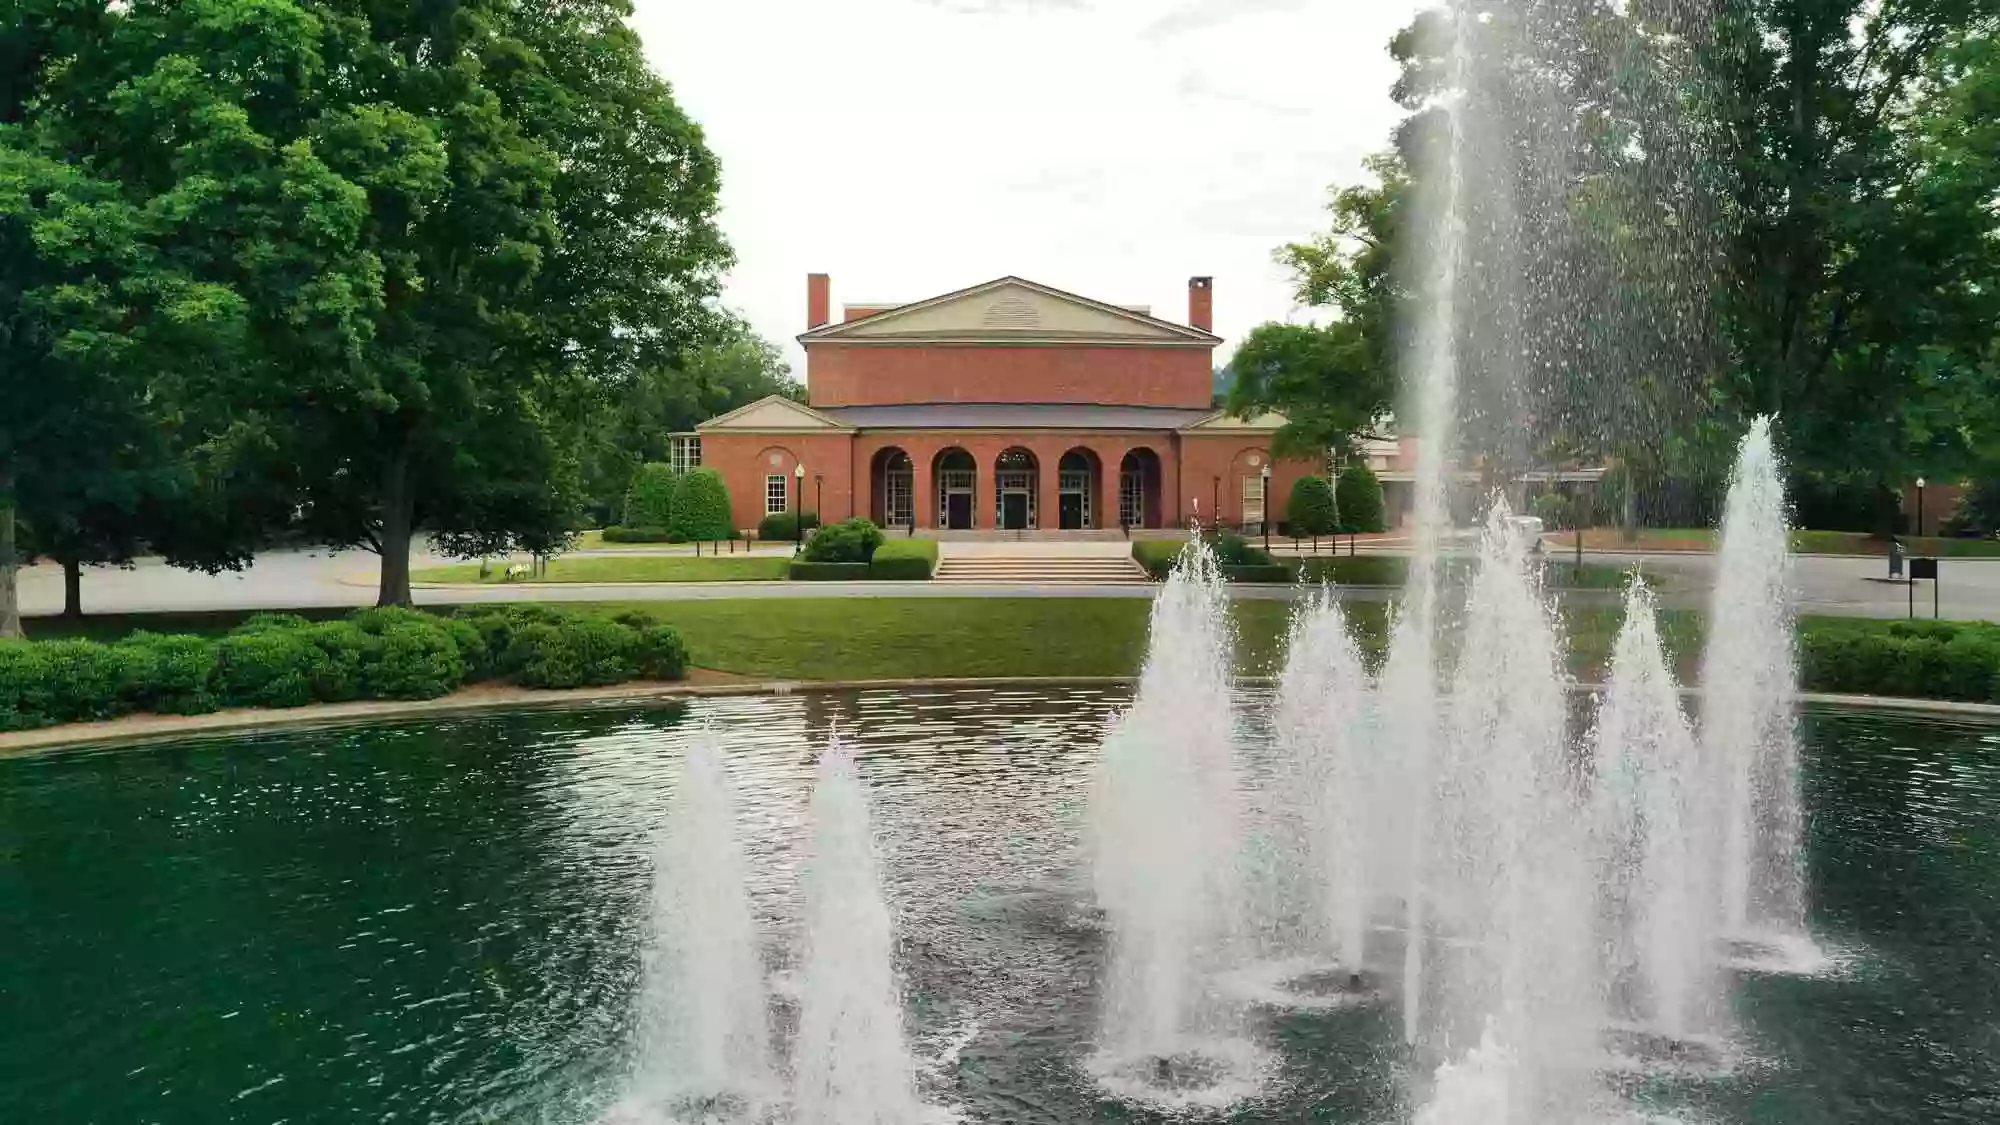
(1201, 303)
(819, 300)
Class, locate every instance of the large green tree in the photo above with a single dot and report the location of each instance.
(157, 233)
(542, 216)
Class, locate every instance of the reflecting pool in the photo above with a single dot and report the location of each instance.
(442, 921)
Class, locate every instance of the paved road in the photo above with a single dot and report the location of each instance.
(297, 579)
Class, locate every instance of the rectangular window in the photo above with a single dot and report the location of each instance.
(684, 452)
(776, 498)
(1253, 500)
(1131, 499)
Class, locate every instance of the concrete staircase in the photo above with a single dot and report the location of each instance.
(1041, 569)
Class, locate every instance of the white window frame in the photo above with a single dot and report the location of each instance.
(684, 452)
(777, 494)
(1253, 499)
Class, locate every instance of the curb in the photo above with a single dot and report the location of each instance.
(141, 730)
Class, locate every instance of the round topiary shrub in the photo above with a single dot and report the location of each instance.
(649, 502)
(784, 526)
(415, 661)
(347, 649)
(1358, 498)
(849, 541)
(1554, 510)
(26, 690)
(86, 679)
(1312, 509)
(701, 507)
(169, 674)
(266, 668)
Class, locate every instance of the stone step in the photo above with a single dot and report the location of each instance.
(1038, 568)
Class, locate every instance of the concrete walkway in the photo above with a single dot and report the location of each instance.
(1848, 586)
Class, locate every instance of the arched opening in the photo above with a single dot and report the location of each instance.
(954, 471)
(1015, 506)
(1139, 488)
(1077, 504)
(892, 483)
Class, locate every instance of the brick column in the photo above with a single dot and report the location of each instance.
(1106, 500)
(923, 485)
(1048, 498)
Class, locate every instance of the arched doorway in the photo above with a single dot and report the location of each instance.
(1077, 503)
(954, 470)
(1015, 506)
(892, 488)
(1139, 488)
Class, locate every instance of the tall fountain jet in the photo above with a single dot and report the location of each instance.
(1166, 842)
(1660, 907)
(1748, 675)
(851, 1064)
(1328, 780)
(704, 1038)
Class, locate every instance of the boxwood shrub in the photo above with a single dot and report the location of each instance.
(782, 525)
(1920, 659)
(807, 571)
(1258, 572)
(1232, 552)
(904, 560)
(282, 660)
(849, 541)
(641, 534)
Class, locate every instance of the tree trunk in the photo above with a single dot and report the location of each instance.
(398, 514)
(10, 604)
(1628, 518)
(72, 589)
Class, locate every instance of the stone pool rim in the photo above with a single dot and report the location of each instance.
(139, 730)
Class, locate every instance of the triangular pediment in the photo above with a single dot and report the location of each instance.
(1011, 309)
(772, 414)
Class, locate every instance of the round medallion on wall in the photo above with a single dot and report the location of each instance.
(1254, 460)
(777, 459)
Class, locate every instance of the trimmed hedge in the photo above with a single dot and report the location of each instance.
(282, 660)
(782, 525)
(1920, 659)
(807, 570)
(622, 534)
(1258, 572)
(701, 507)
(904, 560)
(649, 502)
(1232, 552)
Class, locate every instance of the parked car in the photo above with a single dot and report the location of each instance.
(1531, 529)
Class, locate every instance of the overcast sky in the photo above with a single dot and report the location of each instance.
(1113, 148)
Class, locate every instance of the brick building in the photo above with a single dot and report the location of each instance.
(1008, 405)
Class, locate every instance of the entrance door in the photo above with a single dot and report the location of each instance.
(1014, 511)
(1069, 513)
(958, 511)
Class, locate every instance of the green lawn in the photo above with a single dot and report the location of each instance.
(1804, 542)
(916, 638)
(626, 568)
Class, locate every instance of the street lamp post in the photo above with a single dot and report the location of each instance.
(1215, 504)
(798, 516)
(1920, 507)
(1266, 513)
(819, 496)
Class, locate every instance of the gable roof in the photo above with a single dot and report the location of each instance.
(1012, 310)
(774, 414)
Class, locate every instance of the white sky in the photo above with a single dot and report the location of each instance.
(1113, 148)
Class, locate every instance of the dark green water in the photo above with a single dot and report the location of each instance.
(441, 922)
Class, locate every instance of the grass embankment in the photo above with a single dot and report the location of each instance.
(1803, 542)
(916, 638)
(941, 638)
(621, 568)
